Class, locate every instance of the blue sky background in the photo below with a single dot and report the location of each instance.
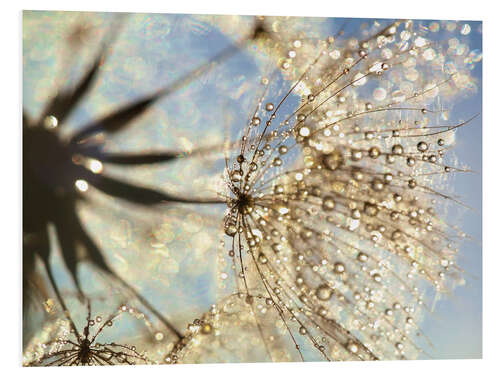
(455, 328)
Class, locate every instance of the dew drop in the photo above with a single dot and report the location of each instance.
(324, 292)
(236, 176)
(339, 267)
(304, 131)
(231, 230)
(422, 146)
(374, 152)
(277, 162)
(333, 160)
(328, 203)
(397, 150)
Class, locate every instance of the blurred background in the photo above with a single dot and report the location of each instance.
(176, 246)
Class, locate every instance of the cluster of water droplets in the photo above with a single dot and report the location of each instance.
(336, 206)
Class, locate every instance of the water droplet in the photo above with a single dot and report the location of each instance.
(333, 160)
(422, 146)
(397, 150)
(362, 257)
(377, 184)
(339, 267)
(374, 152)
(370, 209)
(236, 176)
(81, 185)
(324, 292)
(206, 329)
(50, 122)
(356, 155)
(304, 131)
(352, 347)
(231, 230)
(328, 203)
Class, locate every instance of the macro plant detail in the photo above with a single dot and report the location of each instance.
(75, 348)
(344, 241)
(58, 171)
(336, 238)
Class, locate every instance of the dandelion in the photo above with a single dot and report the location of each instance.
(59, 170)
(75, 348)
(334, 212)
(336, 232)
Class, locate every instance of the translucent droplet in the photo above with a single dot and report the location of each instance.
(422, 146)
(236, 176)
(324, 292)
(362, 257)
(377, 184)
(397, 150)
(304, 131)
(81, 185)
(339, 267)
(352, 347)
(333, 160)
(374, 152)
(50, 122)
(231, 230)
(328, 203)
(206, 329)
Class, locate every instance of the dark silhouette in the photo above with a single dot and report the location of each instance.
(52, 167)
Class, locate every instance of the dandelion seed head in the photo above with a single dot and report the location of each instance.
(358, 181)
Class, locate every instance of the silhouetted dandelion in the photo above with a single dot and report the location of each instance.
(58, 170)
